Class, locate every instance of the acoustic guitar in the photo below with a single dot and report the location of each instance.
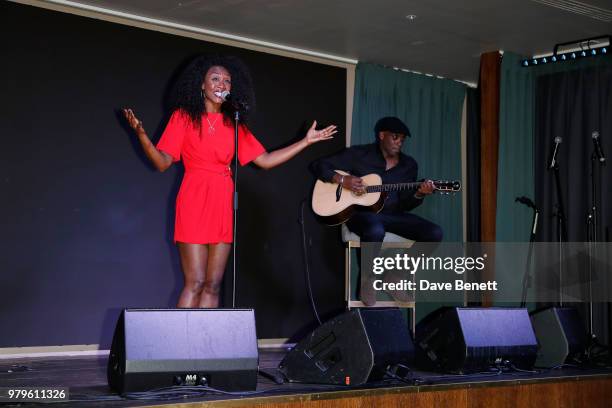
(335, 205)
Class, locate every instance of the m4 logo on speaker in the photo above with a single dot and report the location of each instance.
(191, 380)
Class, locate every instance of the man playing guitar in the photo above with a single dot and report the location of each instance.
(385, 158)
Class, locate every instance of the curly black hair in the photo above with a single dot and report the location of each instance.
(187, 93)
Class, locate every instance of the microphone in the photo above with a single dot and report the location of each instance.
(526, 200)
(597, 146)
(233, 101)
(553, 161)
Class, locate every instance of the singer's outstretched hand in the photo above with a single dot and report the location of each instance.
(134, 122)
(161, 160)
(314, 136)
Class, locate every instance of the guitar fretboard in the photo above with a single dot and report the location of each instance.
(393, 187)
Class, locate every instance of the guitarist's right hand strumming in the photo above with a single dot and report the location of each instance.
(353, 183)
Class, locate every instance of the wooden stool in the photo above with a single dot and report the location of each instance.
(391, 240)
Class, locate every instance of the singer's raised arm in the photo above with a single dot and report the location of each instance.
(272, 159)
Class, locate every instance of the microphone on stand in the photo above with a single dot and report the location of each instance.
(525, 200)
(233, 101)
(598, 149)
(553, 161)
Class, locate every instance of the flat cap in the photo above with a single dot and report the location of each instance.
(391, 124)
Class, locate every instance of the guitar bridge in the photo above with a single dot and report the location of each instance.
(338, 192)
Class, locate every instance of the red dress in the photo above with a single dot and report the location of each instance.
(204, 203)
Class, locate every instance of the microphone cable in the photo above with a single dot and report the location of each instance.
(306, 264)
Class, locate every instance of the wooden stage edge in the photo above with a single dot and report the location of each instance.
(577, 391)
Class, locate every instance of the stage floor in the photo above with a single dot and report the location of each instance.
(85, 377)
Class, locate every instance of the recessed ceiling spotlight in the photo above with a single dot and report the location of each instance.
(411, 17)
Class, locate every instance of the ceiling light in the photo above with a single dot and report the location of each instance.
(411, 17)
(579, 49)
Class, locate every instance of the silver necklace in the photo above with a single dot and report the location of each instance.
(211, 126)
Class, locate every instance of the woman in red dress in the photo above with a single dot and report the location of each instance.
(200, 132)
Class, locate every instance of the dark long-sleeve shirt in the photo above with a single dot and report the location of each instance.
(361, 160)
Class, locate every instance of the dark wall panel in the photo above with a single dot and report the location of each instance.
(87, 223)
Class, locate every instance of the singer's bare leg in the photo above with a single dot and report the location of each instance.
(194, 259)
(217, 259)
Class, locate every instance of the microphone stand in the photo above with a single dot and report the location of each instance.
(235, 237)
(527, 274)
(592, 236)
(561, 227)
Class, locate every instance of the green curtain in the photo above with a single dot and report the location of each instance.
(432, 109)
(515, 166)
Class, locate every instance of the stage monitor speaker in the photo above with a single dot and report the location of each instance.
(561, 336)
(155, 348)
(351, 349)
(462, 340)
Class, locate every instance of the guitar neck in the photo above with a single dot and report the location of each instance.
(393, 187)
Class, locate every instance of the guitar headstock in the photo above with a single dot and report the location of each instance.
(446, 186)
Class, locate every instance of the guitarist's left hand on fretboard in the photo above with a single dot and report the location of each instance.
(426, 188)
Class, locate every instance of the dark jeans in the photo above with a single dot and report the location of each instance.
(371, 227)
